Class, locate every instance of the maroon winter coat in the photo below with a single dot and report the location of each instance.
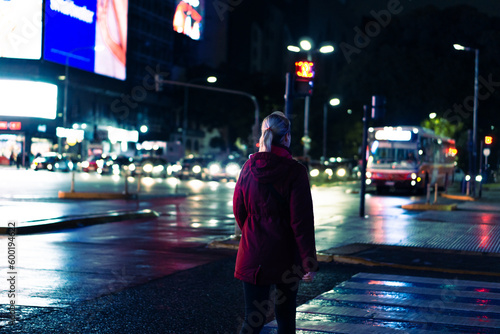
(277, 231)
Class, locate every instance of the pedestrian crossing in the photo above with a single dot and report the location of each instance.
(379, 303)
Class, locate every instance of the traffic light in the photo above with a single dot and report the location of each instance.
(303, 78)
(488, 140)
(378, 107)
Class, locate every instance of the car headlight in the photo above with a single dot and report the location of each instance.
(85, 164)
(148, 168)
(329, 172)
(100, 163)
(196, 169)
(368, 175)
(70, 165)
(232, 169)
(341, 172)
(214, 168)
(131, 167)
(314, 172)
(158, 168)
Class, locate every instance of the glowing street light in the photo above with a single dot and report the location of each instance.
(476, 90)
(333, 102)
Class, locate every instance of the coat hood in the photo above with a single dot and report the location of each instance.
(268, 167)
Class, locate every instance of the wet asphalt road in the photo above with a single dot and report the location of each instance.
(204, 299)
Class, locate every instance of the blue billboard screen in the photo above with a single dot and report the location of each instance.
(87, 34)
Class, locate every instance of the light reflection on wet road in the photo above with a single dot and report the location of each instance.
(57, 268)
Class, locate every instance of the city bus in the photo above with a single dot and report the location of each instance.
(409, 157)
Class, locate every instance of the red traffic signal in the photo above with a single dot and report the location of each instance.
(488, 140)
(303, 78)
(304, 70)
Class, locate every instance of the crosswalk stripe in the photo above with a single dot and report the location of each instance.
(429, 280)
(341, 327)
(391, 301)
(380, 303)
(449, 293)
(420, 317)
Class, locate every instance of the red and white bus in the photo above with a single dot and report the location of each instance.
(409, 157)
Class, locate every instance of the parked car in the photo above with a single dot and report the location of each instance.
(228, 169)
(97, 163)
(121, 164)
(193, 168)
(150, 167)
(52, 161)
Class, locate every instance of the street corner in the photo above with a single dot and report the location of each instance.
(342, 253)
(429, 207)
(231, 242)
(68, 222)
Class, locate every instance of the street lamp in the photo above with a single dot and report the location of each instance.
(474, 119)
(306, 45)
(210, 79)
(333, 102)
(66, 83)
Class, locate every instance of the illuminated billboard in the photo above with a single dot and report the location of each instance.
(22, 98)
(188, 18)
(87, 34)
(21, 29)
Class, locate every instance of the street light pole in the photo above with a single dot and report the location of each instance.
(474, 121)
(474, 116)
(333, 102)
(66, 86)
(185, 124)
(307, 45)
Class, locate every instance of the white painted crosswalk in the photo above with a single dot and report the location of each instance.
(379, 303)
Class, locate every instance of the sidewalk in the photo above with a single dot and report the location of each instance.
(432, 239)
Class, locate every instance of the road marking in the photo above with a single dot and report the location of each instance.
(378, 303)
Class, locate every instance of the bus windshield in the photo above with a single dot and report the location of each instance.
(394, 155)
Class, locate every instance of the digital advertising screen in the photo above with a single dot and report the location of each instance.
(24, 98)
(90, 35)
(21, 29)
(188, 18)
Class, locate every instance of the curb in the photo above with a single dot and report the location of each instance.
(371, 263)
(458, 197)
(91, 195)
(47, 225)
(425, 206)
(348, 255)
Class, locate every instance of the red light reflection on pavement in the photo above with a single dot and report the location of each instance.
(484, 234)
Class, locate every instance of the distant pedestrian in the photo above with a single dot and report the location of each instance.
(273, 207)
(12, 158)
(19, 160)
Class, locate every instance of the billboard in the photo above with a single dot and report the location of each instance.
(87, 34)
(188, 18)
(23, 98)
(21, 29)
